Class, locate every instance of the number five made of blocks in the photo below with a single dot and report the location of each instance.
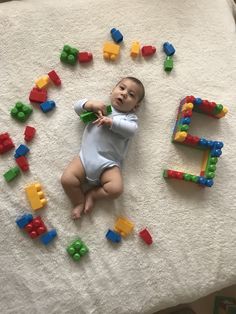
(212, 149)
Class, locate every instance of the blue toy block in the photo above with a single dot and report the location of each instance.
(113, 236)
(168, 49)
(47, 106)
(116, 35)
(216, 149)
(22, 150)
(46, 238)
(24, 220)
(197, 101)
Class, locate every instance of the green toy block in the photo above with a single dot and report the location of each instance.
(231, 309)
(21, 112)
(77, 249)
(222, 302)
(89, 116)
(211, 167)
(69, 55)
(168, 64)
(218, 109)
(11, 174)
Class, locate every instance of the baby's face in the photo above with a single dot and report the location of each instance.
(125, 96)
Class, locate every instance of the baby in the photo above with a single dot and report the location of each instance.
(104, 146)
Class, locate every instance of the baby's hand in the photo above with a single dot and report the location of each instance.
(96, 106)
(103, 120)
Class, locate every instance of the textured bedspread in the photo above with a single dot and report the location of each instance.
(193, 228)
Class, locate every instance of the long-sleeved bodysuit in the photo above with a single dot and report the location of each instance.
(105, 147)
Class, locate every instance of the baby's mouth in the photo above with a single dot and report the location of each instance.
(120, 100)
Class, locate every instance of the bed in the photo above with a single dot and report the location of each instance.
(193, 228)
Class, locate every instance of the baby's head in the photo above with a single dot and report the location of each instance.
(127, 94)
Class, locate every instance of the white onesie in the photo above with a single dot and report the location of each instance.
(104, 147)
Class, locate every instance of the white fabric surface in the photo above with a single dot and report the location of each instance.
(193, 229)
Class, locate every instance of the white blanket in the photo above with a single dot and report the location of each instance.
(193, 229)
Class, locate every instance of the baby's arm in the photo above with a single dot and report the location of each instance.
(90, 105)
(125, 126)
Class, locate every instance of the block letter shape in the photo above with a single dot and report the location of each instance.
(212, 149)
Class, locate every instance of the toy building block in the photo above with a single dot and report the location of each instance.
(77, 249)
(69, 55)
(54, 77)
(116, 35)
(212, 149)
(89, 116)
(6, 143)
(168, 49)
(21, 112)
(148, 51)
(38, 95)
(24, 220)
(84, 57)
(168, 64)
(22, 162)
(46, 238)
(47, 106)
(146, 236)
(29, 133)
(123, 226)
(22, 150)
(113, 236)
(11, 174)
(35, 196)
(231, 309)
(224, 303)
(135, 49)
(42, 81)
(36, 227)
(111, 51)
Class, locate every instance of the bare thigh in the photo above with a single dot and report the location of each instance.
(74, 172)
(112, 182)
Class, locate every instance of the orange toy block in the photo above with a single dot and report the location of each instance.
(124, 226)
(111, 51)
(35, 196)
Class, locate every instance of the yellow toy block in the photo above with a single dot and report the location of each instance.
(187, 106)
(42, 81)
(135, 49)
(180, 136)
(222, 113)
(124, 226)
(204, 160)
(35, 196)
(111, 51)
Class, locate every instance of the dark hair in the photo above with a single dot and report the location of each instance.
(138, 82)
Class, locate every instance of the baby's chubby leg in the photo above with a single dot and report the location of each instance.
(71, 180)
(111, 187)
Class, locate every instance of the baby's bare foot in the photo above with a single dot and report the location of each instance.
(89, 201)
(76, 212)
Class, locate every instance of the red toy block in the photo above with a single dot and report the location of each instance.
(84, 57)
(29, 133)
(22, 162)
(36, 227)
(6, 143)
(146, 236)
(148, 51)
(175, 174)
(38, 95)
(54, 78)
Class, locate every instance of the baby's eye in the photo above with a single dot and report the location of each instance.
(131, 95)
(122, 87)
